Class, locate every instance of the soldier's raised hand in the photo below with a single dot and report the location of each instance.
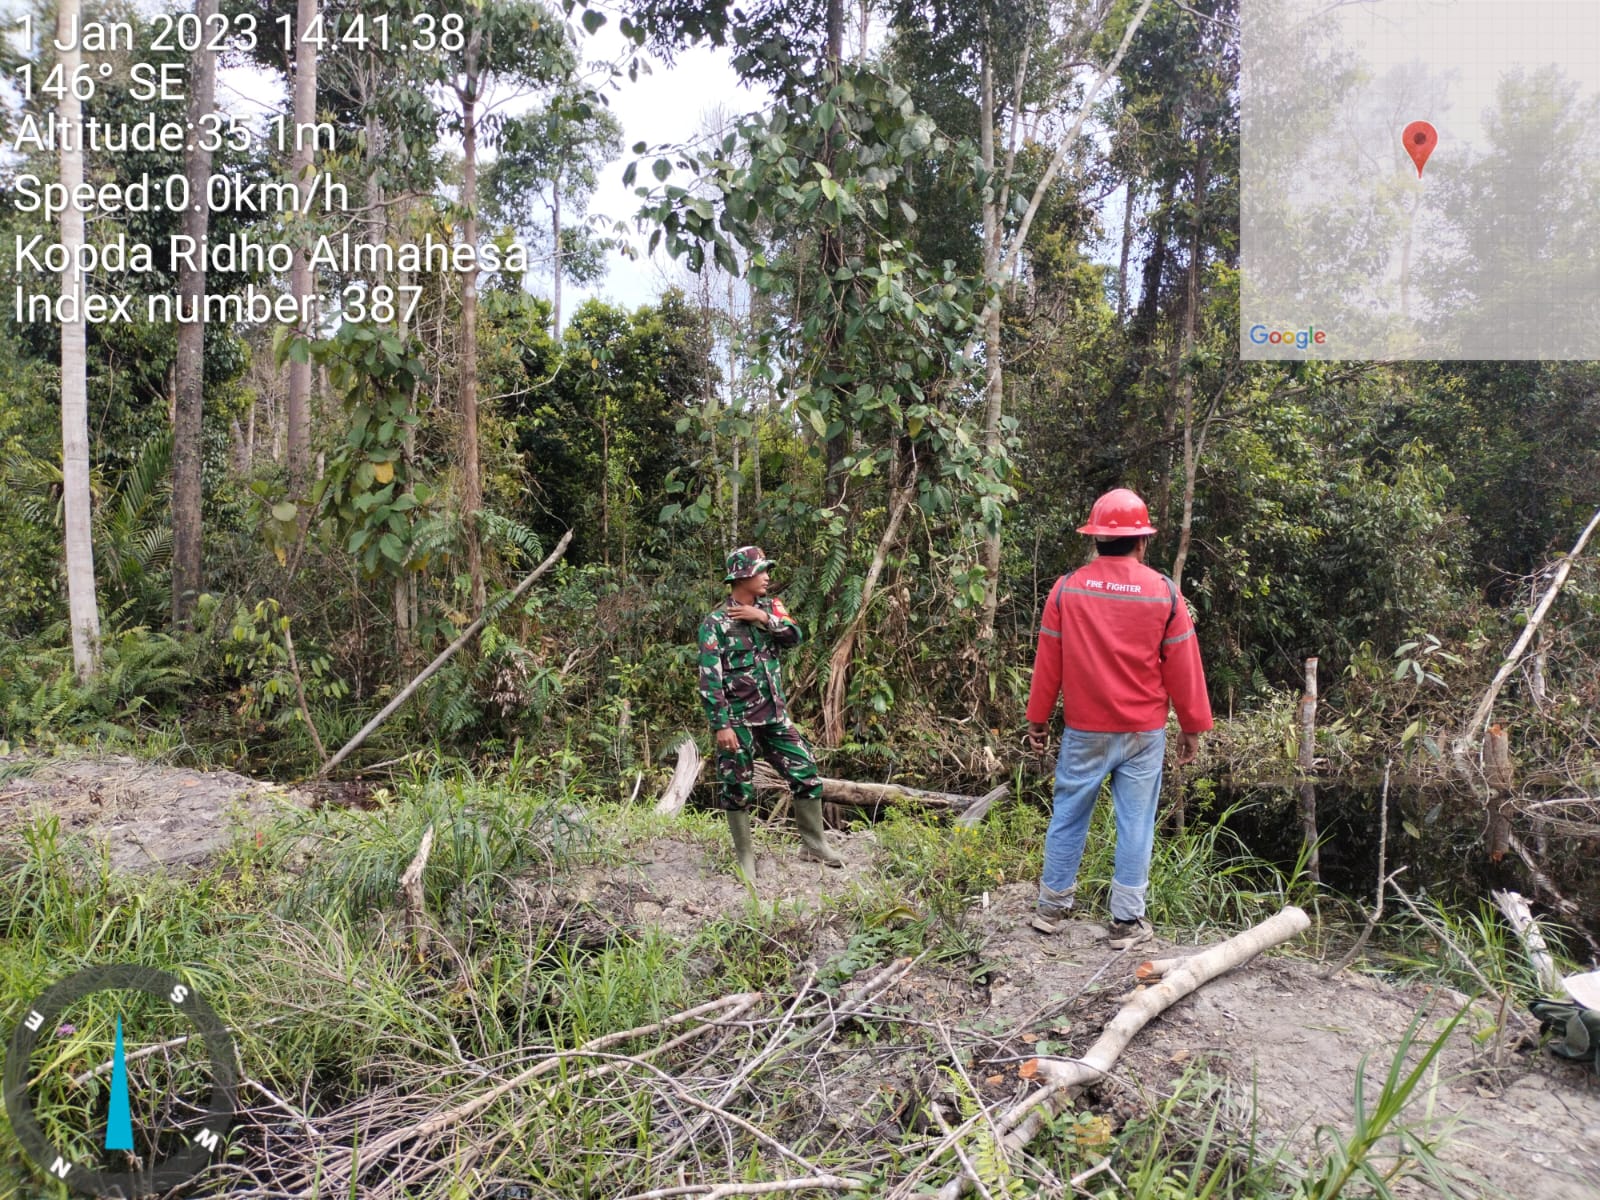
(747, 612)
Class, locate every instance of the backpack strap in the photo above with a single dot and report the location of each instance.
(1172, 592)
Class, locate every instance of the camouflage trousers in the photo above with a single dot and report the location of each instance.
(781, 745)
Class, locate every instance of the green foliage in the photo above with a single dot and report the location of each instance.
(370, 495)
(131, 533)
(142, 675)
(257, 654)
(551, 158)
(604, 425)
(1203, 879)
(1193, 1143)
(483, 838)
(1461, 946)
(958, 863)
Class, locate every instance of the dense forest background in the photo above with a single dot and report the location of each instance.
(973, 265)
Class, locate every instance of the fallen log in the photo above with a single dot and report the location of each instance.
(867, 795)
(684, 776)
(1065, 1078)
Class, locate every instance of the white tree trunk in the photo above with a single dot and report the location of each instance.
(555, 258)
(83, 611)
(301, 282)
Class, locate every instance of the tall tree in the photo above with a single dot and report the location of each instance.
(83, 611)
(552, 157)
(1001, 35)
(187, 578)
(1181, 121)
(301, 283)
(472, 475)
(515, 46)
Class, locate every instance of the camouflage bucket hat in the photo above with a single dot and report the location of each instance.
(747, 562)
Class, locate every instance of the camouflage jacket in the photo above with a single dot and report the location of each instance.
(741, 682)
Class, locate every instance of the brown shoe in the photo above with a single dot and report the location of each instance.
(1048, 918)
(1125, 935)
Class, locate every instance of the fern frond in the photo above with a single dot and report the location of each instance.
(508, 532)
(832, 567)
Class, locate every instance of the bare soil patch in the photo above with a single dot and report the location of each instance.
(147, 816)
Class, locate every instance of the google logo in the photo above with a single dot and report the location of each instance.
(1260, 335)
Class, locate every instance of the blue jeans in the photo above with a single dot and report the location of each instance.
(1134, 762)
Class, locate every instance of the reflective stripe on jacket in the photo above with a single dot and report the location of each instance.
(1115, 643)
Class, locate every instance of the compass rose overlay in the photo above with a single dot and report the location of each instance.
(165, 1144)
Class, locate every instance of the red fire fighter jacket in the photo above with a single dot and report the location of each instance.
(1115, 642)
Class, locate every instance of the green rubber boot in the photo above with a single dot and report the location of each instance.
(744, 846)
(813, 845)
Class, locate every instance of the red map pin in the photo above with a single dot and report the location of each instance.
(1420, 139)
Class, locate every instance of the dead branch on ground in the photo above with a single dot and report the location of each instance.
(1065, 1078)
(1517, 912)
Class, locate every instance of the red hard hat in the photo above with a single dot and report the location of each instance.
(1119, 513)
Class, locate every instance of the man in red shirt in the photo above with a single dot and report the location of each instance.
(1116, 645)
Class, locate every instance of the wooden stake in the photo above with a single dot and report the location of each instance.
(1308, 761)
(1497, 772)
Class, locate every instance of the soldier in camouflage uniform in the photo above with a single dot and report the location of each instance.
(741, 686)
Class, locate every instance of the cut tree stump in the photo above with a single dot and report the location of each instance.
(684, 776)
(411, 895)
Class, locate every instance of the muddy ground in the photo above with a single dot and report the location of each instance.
(1522, 1124)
